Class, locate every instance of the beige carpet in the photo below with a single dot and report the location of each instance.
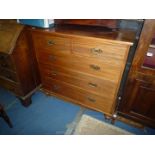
(91, 126)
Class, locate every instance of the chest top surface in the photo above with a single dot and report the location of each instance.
(123, 37)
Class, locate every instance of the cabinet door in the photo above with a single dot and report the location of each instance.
(139, 102)
(144, 100)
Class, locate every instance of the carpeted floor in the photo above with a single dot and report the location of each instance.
(49, 116)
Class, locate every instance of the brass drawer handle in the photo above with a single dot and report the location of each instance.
(51, 74)
(50, 42)
(54, 73)
(91, 99)
(96, 50)
(92, 84)
(95, 67)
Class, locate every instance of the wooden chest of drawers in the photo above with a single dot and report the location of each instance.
(18, 70)
(80, 67)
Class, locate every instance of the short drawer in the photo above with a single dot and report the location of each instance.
(8, 74)
(6, 62)
(83, 97)
(103, 68)
(99, 49)
(96, 85)
(51, 42)
(11, 86)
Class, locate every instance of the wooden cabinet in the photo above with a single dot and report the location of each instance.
(138, 101)
(18, 69)
(82, 65)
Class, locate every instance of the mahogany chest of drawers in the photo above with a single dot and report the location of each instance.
(82, 66)
(18, 70)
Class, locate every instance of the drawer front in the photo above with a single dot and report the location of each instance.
(99, 49)
(8, 74)
(52, 42)
(85, 98)
(11, 86)
(110, 71)
(6, 62)
(96, 85)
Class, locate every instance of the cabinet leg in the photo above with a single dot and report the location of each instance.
(113, 119)
(107, 117)
(5, 117)
(26, 102)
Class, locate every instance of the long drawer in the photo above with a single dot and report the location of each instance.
(89, 83)
(85, 98)
(8, 74)
(9, 85)
(51, 42)
(108, 69)
(98, 49)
